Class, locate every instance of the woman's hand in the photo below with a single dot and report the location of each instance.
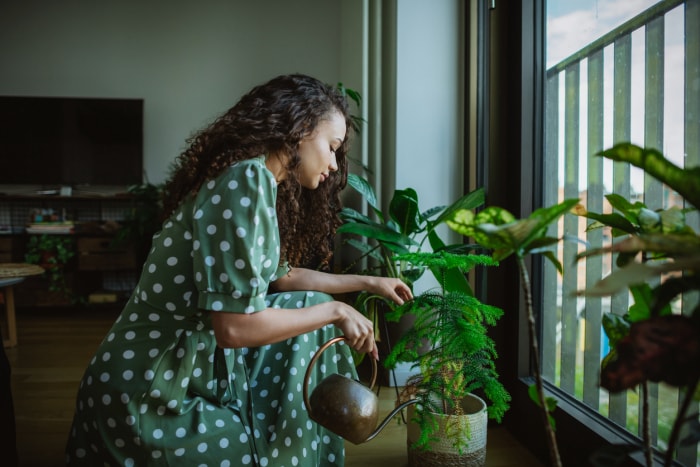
(357, 329)
(389, 287)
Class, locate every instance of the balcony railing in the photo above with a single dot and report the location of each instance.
(629, 85)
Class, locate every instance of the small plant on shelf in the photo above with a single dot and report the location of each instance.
(52, 252)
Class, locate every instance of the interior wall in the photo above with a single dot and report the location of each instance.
(190, 61)
(429, 139)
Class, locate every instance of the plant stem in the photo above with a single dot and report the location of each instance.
(678, 422)
(534, 353)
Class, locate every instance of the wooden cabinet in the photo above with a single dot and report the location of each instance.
(7, 249)
(101, 254)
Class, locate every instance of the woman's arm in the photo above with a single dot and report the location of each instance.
(234, 330)
(308, 279)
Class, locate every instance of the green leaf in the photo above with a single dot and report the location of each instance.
(363, 187)
(403, 209)
(641, 308)
(685, 181)
(616, 327)
(469, 201)
(377, 232)
(614, 220)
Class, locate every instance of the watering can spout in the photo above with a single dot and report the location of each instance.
(345, 406)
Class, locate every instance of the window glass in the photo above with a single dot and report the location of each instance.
(616, 72)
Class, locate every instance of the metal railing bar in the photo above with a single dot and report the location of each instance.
(638, 21)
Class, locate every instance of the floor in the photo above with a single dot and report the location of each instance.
(54, 346)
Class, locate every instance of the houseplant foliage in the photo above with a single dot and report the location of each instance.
(143, 220)
(52, 252)
(381, 237)
(498, 230)
(450, 345)
(648, 342)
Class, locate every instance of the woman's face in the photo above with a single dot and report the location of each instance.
(317, 151)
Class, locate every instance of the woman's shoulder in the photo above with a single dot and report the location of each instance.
(249, 172)
(246, 167)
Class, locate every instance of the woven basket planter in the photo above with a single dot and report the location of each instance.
(442, 453)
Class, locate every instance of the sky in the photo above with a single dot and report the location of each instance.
(572, 24)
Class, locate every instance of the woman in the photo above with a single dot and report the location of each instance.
(205, 364)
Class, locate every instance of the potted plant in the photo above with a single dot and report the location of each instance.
(450, 346)
(52, 252)
(648, 342)
(499, 231)
(658, 261)
(381, 237)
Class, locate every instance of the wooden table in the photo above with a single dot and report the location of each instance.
(10, 275)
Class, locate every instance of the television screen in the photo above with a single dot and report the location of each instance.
(52, 141)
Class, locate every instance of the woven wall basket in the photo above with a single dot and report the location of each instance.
(442, 452)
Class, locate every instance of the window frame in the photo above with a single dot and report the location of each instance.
(508, 121)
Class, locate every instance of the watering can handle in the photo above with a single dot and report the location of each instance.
(322, 349)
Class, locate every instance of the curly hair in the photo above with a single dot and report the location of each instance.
(273, 118)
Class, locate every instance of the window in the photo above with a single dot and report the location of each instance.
(564, 79)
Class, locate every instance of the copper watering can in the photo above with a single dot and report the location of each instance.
(345, 406)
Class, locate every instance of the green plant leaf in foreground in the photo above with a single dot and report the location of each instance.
(497, 229)
(685, 181)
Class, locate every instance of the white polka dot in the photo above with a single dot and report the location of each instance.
(209, 261)
(157, 433)
(128, 354)
(233, 184)
(180, 432)
(198, 214)
(172, 261)
(217, 306)
(157, 288)
(211, 229)
(216, 199)
(227, 214)
(241, 232)
(224, 246)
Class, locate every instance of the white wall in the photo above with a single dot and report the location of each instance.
(429, 101)
(189, 60)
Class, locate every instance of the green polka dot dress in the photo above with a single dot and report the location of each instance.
(159, 392)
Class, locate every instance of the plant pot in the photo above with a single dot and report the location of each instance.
(471, 426)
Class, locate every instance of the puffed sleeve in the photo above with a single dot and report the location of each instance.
(236, 239)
